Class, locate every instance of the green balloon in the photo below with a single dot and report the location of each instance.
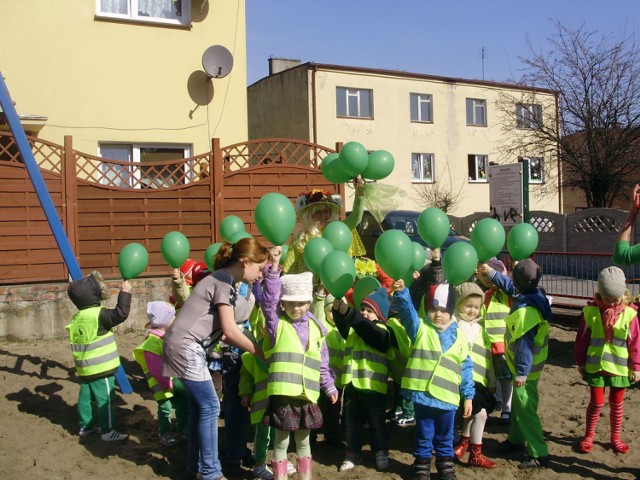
(353, 158)
(433, 226)
(379, 166)
(285, 250)
(132, 260)
(459, 262)
(275, 217)
(332, 169)
(522, 241)
(408, 277)
(314, 252)
(210, 255)
(488, 238)
(339, 235)
(230, 225)
(239, 236)
(337, 273)
(419, 256)
(363, 287)
(175, 248)
(394, 253)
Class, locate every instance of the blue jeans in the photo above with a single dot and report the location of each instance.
(362, 406)
(236, 418)
(202, 438)
(434, 431)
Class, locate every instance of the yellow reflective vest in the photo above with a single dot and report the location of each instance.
(336, 345)
(398, 362)
(519, 323)
(493, 317)
(430, 370)
(151, 344)
(254, 377)
(294, 372)
(481, 356)
(611, 357)
(365, 367)
(93, 354)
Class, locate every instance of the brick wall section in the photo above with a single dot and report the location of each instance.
(43, 310)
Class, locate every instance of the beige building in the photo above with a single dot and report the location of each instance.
(443, 132)
(125, 78)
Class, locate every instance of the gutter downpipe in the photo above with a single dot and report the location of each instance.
(314, 114)
(560, 209)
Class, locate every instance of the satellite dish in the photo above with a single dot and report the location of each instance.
(217, 61)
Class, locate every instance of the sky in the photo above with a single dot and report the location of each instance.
(444, 37)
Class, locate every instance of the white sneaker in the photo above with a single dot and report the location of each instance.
(382, 460)
(262, 472)
(113, 436)
(291, 468)
(349, 464)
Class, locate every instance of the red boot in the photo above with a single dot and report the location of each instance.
(476, 459)
(461, 448)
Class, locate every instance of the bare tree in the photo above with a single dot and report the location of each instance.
(439, 194)
(597, 81)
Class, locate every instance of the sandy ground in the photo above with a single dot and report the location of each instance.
(38, 426)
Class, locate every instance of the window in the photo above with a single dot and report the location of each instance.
(478, 168)
(175, 12)
(528, 115)
(476, 112)
(421, 107)
(422, 167)
(536, 169)
(138, 175)
(354, 102)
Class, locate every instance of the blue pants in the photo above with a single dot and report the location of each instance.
(202, 442)
(434, 432)
(236, 418)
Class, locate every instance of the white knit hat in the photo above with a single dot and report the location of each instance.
(160, 313)
(297, 288)
(612, 282)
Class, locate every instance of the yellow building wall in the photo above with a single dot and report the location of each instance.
(448, 137)
(117, 81)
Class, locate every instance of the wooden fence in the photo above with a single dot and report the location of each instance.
(104, 204)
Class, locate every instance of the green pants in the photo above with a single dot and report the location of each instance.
(180, 404)
(102, 393)
(402, 404)
(526, 426)
(263, 437)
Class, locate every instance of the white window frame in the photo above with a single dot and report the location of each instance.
(359, 94)
(423, 107)
(528, 115)
(480, 172)
(419, 160)
(536, 163)
(476, 111)
(134, 155)
(132, 14)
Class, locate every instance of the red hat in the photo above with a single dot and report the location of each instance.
(199, 271)
(187, 266)
(438, 296)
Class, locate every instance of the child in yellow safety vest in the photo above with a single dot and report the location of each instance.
(607, 352)
(495, 309)
(526, 351)
(95, 353)
(366, 370)
(296, 352)
(469, 299)
(168, 392)
(438, 377)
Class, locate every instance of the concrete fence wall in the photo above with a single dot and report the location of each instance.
(43, 310)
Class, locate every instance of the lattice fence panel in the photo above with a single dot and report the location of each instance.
(597, 224)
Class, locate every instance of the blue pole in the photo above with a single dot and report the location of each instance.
(45, 200)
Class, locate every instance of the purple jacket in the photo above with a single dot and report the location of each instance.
(273, 315)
